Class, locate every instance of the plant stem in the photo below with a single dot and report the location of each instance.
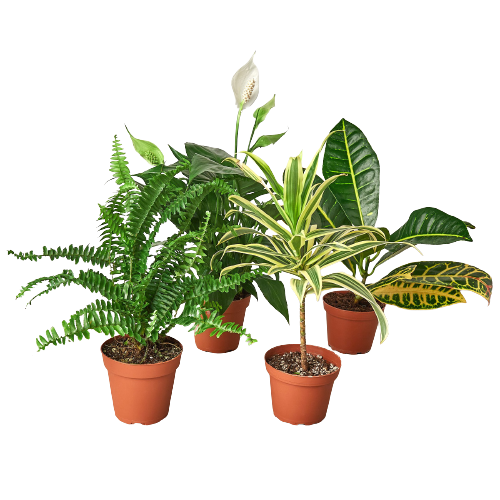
(250, 141)
(237, 129)
(303, 348)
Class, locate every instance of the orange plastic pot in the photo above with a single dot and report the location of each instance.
(228, 341)
(141, 393)
(301, 400)
(350, 332)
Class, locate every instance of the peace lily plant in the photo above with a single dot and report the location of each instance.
(355, 201)
(210, 179)
(298, 247)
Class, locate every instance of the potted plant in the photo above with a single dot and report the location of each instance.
(205, 166)
(421, 285)
(143, 298)
(301, 376)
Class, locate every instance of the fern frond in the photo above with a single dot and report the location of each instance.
(200, 324)
(99, 316)
(65, 278)
(96, 256)
(119, 167)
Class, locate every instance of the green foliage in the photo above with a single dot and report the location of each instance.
(152, 286)
(209, 177)
(355, 200)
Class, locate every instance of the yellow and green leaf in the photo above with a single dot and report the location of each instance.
(433, 284)
(260, 216)
(408, 295)
(313, 277)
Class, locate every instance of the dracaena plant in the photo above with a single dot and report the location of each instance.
(144, 298)
(202, 167)
(296, 246)
(355, 201)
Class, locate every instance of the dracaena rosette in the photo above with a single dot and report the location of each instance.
(301, 249)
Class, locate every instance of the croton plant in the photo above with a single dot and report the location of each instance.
(354, 200)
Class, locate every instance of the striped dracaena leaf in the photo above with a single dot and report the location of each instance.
(260, 251)
(260, 216)
(292, 189)
(299, 287)
(242, 231)
(350, 152)
(313, 277)
(312, 205)
(433, 284)
(354, 249)
(248, 172)
(310, 173)
(266, 170)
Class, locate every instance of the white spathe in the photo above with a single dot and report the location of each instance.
(245, 84)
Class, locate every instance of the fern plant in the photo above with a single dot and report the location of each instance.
(151, 286)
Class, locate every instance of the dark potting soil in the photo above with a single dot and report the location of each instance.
(128, 350)
(345, 301)
(241, 296)
(289, 362)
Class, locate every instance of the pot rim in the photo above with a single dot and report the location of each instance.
(347, 310)
(142, 364)
(296, 348)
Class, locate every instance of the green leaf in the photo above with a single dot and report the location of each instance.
(330, 213)
(274, 293)
(266, 140)
(214, 154)
(407, 295)
(358, 194)
(266, 170)
(292, 188)
(431, 226)
(261, 113)
(313, 277)
(202, 164)
(147, 150)
(428, 226)
(224, 299)
(433, 284)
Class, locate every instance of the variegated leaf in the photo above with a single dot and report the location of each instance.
(310, 173)
(455, 275)
(408, 295)
(261, 252)
(260, 216)
(313, 277)
(292, 188)
(299, 287)
(311, 205)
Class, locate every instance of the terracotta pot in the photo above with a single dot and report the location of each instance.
(350, 332)
(141, 393)
(228, 341)
(301, 400)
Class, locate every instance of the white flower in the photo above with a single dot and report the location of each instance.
(245, 84)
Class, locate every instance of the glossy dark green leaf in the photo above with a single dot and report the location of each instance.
(431, 226)
(157, 169)
(214, 154)
(202, 164)
(274, 292)
(428, 226)
(348, 151)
